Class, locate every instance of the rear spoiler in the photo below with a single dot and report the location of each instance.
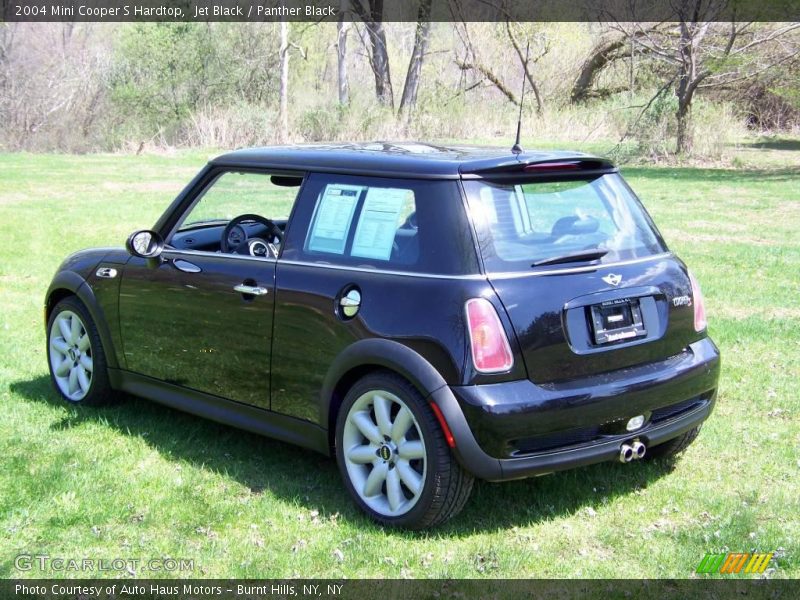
(578, 166)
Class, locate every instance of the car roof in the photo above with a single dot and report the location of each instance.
(399, 159)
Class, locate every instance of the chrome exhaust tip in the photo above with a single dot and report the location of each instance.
(625, 454)
(639, 449)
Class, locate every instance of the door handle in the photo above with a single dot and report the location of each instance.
(186, 266)
(251, 290)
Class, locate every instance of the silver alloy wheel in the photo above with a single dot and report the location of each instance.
(384, 453)
(71, 355)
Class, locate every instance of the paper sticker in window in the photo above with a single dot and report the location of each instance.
(332, 218)
(378, 222)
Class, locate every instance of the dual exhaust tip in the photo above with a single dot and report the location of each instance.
(633, 451)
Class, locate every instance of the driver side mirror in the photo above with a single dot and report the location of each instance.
(145, 244)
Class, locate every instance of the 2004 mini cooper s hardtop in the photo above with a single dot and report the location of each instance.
(426, 314)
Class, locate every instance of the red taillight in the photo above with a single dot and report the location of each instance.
(700, 322)
(490, 350)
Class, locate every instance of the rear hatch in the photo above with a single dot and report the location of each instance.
(581, 270)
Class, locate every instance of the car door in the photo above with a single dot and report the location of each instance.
(202, 318)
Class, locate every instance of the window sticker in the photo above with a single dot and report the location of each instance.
(378, 222)
(334, 214)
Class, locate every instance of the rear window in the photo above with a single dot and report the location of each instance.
(383, 223)
(520, 224)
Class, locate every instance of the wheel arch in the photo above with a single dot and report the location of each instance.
(368, 356)
(69, 283)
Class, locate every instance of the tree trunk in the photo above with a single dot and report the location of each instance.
(284, 85)
(685, 89)
(684, 135)
(341, 55)
(409, 99)
(524, 60)
(379, 55)
(491, 76)
(601, 55)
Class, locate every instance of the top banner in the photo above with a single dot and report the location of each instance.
(399, 10)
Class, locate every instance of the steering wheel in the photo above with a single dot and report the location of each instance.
(235, 241)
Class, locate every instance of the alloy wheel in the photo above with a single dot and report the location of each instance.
(71, 355)
(384, 453)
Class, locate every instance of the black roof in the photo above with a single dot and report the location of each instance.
(398, 159)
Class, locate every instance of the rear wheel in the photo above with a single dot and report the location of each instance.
(674, 446)
(393, 457)
(75, 355)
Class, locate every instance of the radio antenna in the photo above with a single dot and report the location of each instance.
(516, 148)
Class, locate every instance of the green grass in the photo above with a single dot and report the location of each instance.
(141, 481)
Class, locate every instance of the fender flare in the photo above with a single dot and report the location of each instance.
(375, 352)
(380, 353)
(77, 285)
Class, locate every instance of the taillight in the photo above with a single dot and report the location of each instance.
(490, 350)
(700, 322)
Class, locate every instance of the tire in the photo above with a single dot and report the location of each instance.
(674, 446)
(75, 355)
(393, 456)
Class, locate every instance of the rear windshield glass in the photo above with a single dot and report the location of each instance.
(520, 224)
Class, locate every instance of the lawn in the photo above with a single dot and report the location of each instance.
(140, 481)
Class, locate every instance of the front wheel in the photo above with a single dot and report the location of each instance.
(75, 355)
(393, 456)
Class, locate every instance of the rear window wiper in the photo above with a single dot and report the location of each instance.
(572, 257)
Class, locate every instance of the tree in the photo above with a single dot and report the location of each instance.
(342, 29)
(372, 16)
(603, 54)
(411, 87)
(283, 110)
(52, 84)
(473, 63)
(700, 53)
(526, 61)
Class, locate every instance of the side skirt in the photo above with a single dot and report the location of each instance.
(242, 416)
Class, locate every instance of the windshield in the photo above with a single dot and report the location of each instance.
(519, 224)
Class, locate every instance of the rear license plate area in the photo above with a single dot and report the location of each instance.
(617, 321)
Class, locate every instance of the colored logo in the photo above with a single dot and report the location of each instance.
(735, 562)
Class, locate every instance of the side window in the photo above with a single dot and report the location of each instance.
(259, 203)
(237, 193)
(386, 223)
(365, 222)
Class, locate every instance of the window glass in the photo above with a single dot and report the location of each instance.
(396, 224)
(371, 222)
(238, 193)
(522, 223)
(333, 217)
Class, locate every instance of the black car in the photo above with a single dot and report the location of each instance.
(426, 314)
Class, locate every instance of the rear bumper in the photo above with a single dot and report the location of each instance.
(497, 427)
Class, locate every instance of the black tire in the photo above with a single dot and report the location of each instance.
(446, 486)
(674, 446)
(99, 392)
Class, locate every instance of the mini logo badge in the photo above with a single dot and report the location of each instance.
(612, 279)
